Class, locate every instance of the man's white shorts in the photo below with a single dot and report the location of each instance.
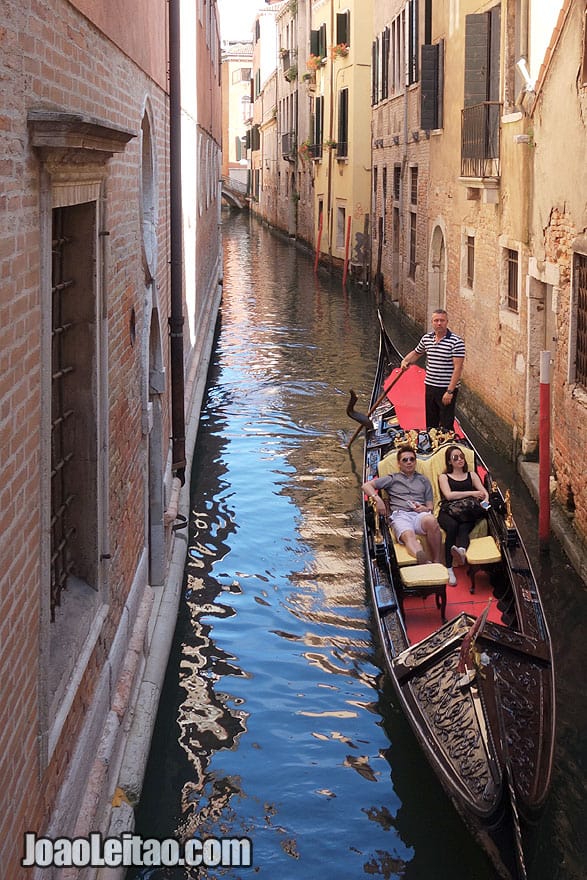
(402, 520)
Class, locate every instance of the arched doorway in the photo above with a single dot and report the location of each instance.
(155, 496)
(437, 270)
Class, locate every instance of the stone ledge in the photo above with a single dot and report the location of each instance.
(56, 130)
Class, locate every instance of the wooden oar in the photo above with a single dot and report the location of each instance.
(372, 409)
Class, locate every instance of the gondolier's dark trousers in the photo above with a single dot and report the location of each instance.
(437, 414)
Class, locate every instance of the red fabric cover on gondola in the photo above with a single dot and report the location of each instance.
(407, 395)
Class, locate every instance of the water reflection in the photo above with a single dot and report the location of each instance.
(276, 721)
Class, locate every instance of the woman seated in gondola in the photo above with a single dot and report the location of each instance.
(455, 484)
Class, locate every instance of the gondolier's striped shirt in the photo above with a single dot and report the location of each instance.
(439, 357)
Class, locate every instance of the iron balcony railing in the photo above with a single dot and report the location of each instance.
(480, 140)
(288, 145)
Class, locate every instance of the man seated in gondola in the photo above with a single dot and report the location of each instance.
(411, 502)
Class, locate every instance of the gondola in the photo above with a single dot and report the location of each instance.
(472, 664)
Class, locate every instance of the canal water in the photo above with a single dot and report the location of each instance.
(277, 723)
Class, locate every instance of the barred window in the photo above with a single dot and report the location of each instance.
(470, 272)
(412, 260)
(414, 186)
(512, 279)
(397, 176)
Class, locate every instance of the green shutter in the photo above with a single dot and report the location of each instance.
(429, 88)
(477, 28)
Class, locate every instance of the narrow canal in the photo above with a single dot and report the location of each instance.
(276, 722)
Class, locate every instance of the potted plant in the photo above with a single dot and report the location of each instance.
(339, 51)
(314, 62)
(305, 150)
(330, 144)
(291, 73)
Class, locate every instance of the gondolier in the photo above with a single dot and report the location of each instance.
(445, 353)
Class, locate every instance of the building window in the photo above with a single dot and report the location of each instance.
(384, 199)
(414, 186)
(340, 227)
(242, 74)
(413, 44)
(511, 258)
(375, 175)
(397, 53)
(470, 261)
(343, 27)
(580, 318)
(397, 177)
(246, 107)
(385, 39)
(342, 146)
(432, 86)
(412, 258)
(318, 42)
(318, 127)
(74, 452)
(480, 119)
(375, 72)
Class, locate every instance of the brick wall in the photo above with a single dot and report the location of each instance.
(53, 58)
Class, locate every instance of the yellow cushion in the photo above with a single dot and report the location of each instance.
(430, 575)
(401, 553)
(483, 551)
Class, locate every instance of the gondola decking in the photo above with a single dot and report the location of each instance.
(471, 664)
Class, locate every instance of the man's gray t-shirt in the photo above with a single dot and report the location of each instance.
(403, 490)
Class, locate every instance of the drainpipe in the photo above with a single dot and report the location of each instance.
(524, 37)
(404, 172)
(331, 138)
(176, 265)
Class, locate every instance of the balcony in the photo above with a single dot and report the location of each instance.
(480, 145)
(288, 145)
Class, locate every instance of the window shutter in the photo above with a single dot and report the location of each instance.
(314, 42)
(342, 27)
(322, 41)
(476, 59)
(385, 63)
(429, 88)
(343, 123)
(494, 53)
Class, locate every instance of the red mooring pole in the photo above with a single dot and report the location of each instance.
(544, 453)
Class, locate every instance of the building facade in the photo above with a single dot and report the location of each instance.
(91, 393)
(340, 55)
(478, 172)
(237, 67)
(556, 287)
(400, 162)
